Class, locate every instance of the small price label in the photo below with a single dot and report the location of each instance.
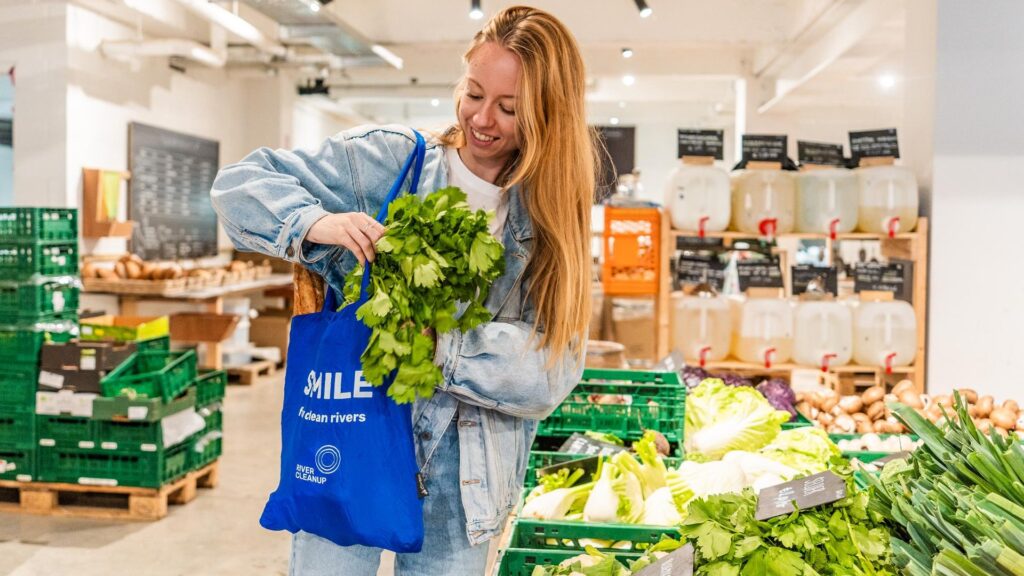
(874, 144)
(820, 153)
(678, 562)
(765, 147)
(701, 143)
(802, 274)
(808, 492)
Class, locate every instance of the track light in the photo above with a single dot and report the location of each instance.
(475, 12)
(644, 9)
(627, 52)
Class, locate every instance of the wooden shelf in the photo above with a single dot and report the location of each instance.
(733, 235)
(739, 365)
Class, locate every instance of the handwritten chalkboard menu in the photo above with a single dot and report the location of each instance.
(764, 148)
(701, 143)
(874, 144)
(759, 274)
(820, 153)
(802, 274)
(169, 193)
(896, 277)
(694, 268)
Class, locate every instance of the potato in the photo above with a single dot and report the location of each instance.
(969, 395)
(985, 405)
(872, 395)
(851, 404)
(1003, 419)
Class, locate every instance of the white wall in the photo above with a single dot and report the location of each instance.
(977, 284)
(33, 41)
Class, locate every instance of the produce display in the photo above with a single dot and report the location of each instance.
(435, 252)
(132, 268)
(721, 418)
(596, 563)
(874, 443)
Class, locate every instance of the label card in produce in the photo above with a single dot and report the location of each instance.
(694, 269)
(807, 492)
(874, 144)
(759, 274)
(764, 147)
(892, 458)
(802, 274)
(701, 143)
(679, 562)
(581, 444)
(820, 153)
(896, 277)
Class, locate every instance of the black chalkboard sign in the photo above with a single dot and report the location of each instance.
(759, 274)
(820, 153)
(582, 444)
(169, 193)
(698, 269)
(701, 143)
(896, 277)
(678, 562)
(874, 144)
(803, 274)
(765, 147)
(807, 492)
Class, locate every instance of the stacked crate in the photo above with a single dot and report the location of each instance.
(39, 289)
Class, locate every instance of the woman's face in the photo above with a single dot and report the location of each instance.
(487, 111)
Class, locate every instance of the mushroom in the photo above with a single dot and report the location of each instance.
(872, 395)
(969, 395)
(911, 398)
(876, 410)
(985, 405)
(902, 387)
(851, 404)
(1003, 419)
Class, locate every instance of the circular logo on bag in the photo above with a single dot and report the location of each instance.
(328, 459)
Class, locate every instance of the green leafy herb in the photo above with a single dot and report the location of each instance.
(435, 254)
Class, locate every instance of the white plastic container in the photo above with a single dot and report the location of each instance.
(763, 202)
(826, 201)
(701, 326)
(764, 331)
(698, 198)
(884, 334)
(888, 200)
(823, 334)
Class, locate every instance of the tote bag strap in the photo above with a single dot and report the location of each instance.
(414, 163)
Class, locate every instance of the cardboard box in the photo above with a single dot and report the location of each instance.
(124, 328)
(79, 366)
(271, 328)
(202, 327)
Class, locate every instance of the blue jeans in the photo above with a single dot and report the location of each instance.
(446, 549)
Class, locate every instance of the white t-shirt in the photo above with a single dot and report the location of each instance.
(480, 194)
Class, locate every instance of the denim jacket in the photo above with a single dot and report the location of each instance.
(494, 376)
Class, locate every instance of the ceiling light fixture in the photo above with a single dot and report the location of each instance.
(435, 102)
(887, 81)
(614, 121)
(627, 52)
(475, 13)
(629, 79)
(622, 104)
(645, 10)
(387, 56)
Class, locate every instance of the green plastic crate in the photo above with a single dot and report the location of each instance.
(66, 431)
(17, 428)
(23, 261)
(125, 409)
(36, 224)
(18, 463)
(541, 458)
(20, 343)
(159, 344)
(522, 561)
(658, 402)
(18, 389)
(205, 447)
(562, 535)
(801, 421)
(151, 374)
(211, 386)
(108, 468)
(46, 298)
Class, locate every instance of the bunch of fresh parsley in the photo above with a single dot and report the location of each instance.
(841, 538)
(435, 253)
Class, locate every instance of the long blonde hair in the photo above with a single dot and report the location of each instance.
(555, 167)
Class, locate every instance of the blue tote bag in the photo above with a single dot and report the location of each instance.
(348, 465)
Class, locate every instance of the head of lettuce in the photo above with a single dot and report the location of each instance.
(721, 418)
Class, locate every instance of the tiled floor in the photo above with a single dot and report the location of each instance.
(216, 534)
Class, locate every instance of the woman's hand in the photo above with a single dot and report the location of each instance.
(355, 231)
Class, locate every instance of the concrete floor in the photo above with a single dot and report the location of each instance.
(216, 534)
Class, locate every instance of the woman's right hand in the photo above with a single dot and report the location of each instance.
(355, 231)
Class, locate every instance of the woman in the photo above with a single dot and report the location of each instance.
(522, 148)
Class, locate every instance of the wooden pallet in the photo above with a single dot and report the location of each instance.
(104, 502)
(248, 373)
